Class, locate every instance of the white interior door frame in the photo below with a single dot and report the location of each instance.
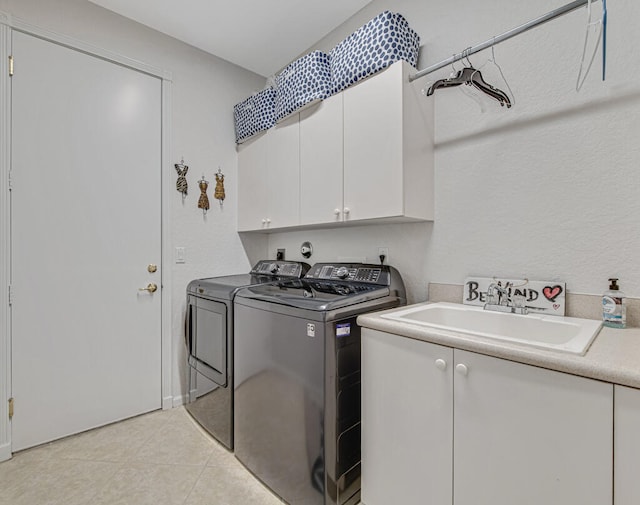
(7, 24)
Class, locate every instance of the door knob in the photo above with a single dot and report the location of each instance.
(151, 287)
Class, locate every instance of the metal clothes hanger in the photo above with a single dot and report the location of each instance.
(598, 28)
(471, 76)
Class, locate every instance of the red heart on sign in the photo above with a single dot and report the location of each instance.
(552, 292)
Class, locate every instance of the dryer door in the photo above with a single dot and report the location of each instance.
(207, 338)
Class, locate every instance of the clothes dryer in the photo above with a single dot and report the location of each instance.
(209, 338)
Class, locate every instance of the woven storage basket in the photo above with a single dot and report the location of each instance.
(303, 82)
(384, 40)
(255, 114)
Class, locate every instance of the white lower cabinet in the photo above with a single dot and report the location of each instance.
(626, 446)
(407, 421)
(444, 426)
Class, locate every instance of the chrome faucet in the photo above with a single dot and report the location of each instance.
(498, 299)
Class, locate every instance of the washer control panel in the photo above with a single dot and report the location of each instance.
(370, 274)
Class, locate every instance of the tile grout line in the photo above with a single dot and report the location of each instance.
(195, 483)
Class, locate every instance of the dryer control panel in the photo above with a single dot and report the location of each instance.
(280, 268)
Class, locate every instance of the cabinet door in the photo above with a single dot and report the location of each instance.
(284, 174)
(373, 147)
(321, 151)
(529, 436)
(252, 183)
(626, 445)
(406, 421)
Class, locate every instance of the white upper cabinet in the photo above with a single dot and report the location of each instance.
(283, 160)
(362, 155)
(252, 182)
(321, 151)
(388, 148)
(269, 178)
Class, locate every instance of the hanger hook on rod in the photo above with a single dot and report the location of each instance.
(465, 55)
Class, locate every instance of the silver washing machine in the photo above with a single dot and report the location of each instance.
(297, 379)
(209, 338)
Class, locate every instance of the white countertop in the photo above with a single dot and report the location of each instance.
(614, 355)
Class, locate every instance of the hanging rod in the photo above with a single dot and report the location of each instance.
(560, 11)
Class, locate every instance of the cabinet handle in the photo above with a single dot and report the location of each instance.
(336, 212)
(264, 221)
(441, 364)
(268, 221)
(347, 210)
(462, 369)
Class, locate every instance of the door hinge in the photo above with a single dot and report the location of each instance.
(10, 66)
(11, 403)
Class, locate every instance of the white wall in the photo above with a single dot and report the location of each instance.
(549, 189)
(204, 90)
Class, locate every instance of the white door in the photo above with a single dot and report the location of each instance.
(86, 221)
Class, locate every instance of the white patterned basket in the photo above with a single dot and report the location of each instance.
(255, 114)
(305, 81)
(384, 40)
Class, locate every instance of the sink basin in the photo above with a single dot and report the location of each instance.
(559, 333)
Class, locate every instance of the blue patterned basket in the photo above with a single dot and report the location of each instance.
(302, 82)
(384, 40)
(255, 114)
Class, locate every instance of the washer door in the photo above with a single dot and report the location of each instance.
(207, 338)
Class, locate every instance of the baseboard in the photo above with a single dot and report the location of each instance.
(167, 402)
(180, 400)
(5, 452)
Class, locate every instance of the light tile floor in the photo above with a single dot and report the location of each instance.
(159, 458)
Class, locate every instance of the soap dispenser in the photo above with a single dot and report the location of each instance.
(614, 306)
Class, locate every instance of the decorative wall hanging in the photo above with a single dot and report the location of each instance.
(542, 297)
(219, 191)
(181, 183)
(203, 201)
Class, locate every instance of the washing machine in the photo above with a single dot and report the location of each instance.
(209, 338)
(297, 378)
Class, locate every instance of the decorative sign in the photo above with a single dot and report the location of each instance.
(546, 297)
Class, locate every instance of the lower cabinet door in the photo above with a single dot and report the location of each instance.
(529, 436)
(406, 421)
(626, 446)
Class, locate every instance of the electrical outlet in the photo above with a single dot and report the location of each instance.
(280, 254)
(383, 251)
